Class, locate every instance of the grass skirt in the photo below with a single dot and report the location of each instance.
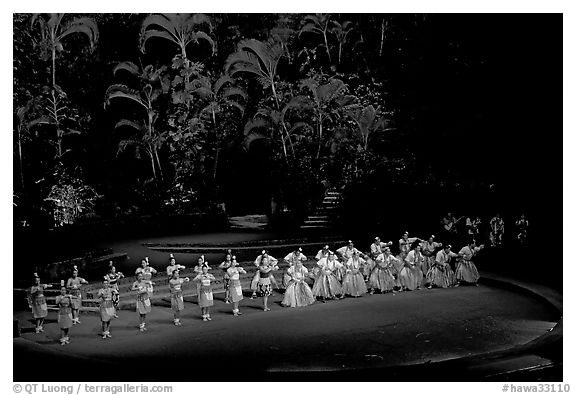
(440, 276)
(382, 279)
(298, 294)
(236, 291)
(205, 297)
(65, 318)
(177, 301)
(326, 286)
(410, 277)
(39, 308)
(467, 271)
(354, 284)
(143, 305)
(107, 310)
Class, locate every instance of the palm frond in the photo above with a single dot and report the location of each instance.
(118, 91)
(234, 91)
(128, 66)
(255, 123)
(201, 35)
(148, 34)
(220, 82)
(84, 25)
(139, 126)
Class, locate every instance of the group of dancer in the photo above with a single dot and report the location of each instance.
(335, 275)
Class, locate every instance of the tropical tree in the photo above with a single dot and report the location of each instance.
(260, 60)
(328, 99)
(22, 126)
(148, 139)
(268, 121)
(369, 122)
(218, 95)
(284, 36)
(181, 29)
(341, 32)
(318, 24)
(53, 32)
(60, 118)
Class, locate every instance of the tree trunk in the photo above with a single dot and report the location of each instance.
(283, 127)
(327, 49)
(319, 138)
(53, 67)
(382, 37)
(153, 161)
(217, 145)
(158, 164)
(19, 142)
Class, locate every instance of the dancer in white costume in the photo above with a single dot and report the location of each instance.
(326, 283)
(234, 272)
(292, 258)
(466, 271)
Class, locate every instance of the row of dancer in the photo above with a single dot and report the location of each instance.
(357, 275)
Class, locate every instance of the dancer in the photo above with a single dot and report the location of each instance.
(411, 275)
(326, 284)
(202, 263)
(292, 258)
(226, 278)
(323, 253)
(143, 304)
(112, 277)
(298, 293)
(172, 266)
(496, 230)
(176, 296)
(375, 250)
(346, 252)
(270, 261)
(199, 269)
(235, 286)
(65, 320)
(405, 244)
(382, 276)
(466, 271)
(428, 249)
(147, 272)
(37, 302)
(205, 296)
(265, 280)
(353, 283)
(107, 310)
(74, 283)
(440, 274)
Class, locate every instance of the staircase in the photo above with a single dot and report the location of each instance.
(323, 215)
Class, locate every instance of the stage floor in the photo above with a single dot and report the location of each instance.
(366, 332)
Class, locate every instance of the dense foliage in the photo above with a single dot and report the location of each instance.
(122, 114)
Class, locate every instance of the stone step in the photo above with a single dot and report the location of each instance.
(319, 217)
(313, 222)
(313, 226)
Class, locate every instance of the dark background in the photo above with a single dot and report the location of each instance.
(478, 98)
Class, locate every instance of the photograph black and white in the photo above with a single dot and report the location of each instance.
(216, 197)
